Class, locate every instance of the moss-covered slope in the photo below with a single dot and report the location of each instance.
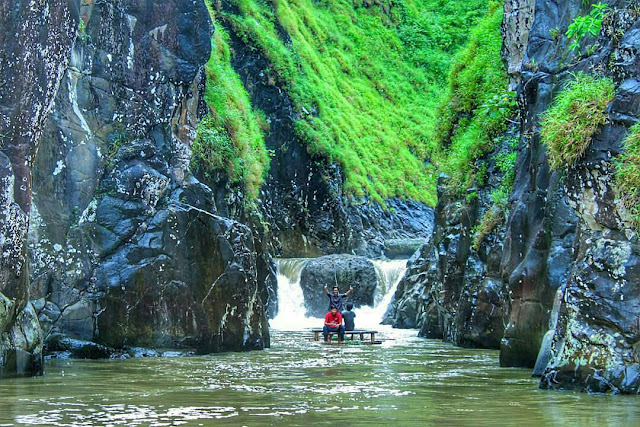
(366, 80)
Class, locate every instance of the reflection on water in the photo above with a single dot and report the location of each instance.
(404, 381)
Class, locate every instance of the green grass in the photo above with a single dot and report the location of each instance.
(478, 104)
(230, 138)
(628, 175)
(569, 125)
(366, 80)
(498, 211)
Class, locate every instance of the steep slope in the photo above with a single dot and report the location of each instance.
(348, 93)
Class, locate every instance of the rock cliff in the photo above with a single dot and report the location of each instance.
(37, 37)
(127, 247)
(554, 284)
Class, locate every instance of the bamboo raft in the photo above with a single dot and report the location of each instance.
(371, 339)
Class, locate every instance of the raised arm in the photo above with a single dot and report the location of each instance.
(326, 289)
(349, 291)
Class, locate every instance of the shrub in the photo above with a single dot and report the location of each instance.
(492, 217)
(584, 26)
(628, 175)
(568, 126)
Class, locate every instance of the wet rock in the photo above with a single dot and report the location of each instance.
(625, 107)
(43, 32)
(21, 344)
(142, 352)
(401, 248)
(126, 244)
(64, 347)
(346, 271)
(204, 296)
(569, 252)
(451, 291)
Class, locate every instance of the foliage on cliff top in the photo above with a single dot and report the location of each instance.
(628, 175)
(365, 79)
(230, 137)
(478, 105)
(568, 126)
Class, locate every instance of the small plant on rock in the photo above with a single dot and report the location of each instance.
(495, 214)
(573, 119)
(588, 25)
(628, 175)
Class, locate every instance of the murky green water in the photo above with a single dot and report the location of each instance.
(406, 381)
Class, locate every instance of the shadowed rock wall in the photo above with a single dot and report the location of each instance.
(36, 40)
(127, 248)
(554, 284)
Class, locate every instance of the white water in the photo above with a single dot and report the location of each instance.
(291, 312)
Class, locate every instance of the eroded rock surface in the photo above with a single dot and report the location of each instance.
(36, 40)
(562, 268)
(450, 291)
(127, 246)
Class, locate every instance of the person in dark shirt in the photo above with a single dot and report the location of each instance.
(335, 297)
(333, 323)
(349, 316)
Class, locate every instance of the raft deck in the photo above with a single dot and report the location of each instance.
(317, 332)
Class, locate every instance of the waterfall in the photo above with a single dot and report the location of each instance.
(291, 310)
(292, 314)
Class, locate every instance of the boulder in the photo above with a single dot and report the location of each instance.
(401, 248)
(343, 270)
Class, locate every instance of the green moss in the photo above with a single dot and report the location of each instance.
(365, 80)
(230, 138)
(478, 105)
(570, 123)
(628, 175)
(498, 211)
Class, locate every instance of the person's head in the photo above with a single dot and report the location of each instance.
(349, 306)
(336, 291)
(334, 309)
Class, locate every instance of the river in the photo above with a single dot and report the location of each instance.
(406, 381)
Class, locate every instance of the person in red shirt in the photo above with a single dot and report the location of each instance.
(333, 323)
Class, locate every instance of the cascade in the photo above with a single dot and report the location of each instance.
(292, 313)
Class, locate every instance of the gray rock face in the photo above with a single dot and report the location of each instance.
(516, 24)
(596, 335)
(346, 271)
(127, 247)
(450, 291)
(43, 32)
(591, 349)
